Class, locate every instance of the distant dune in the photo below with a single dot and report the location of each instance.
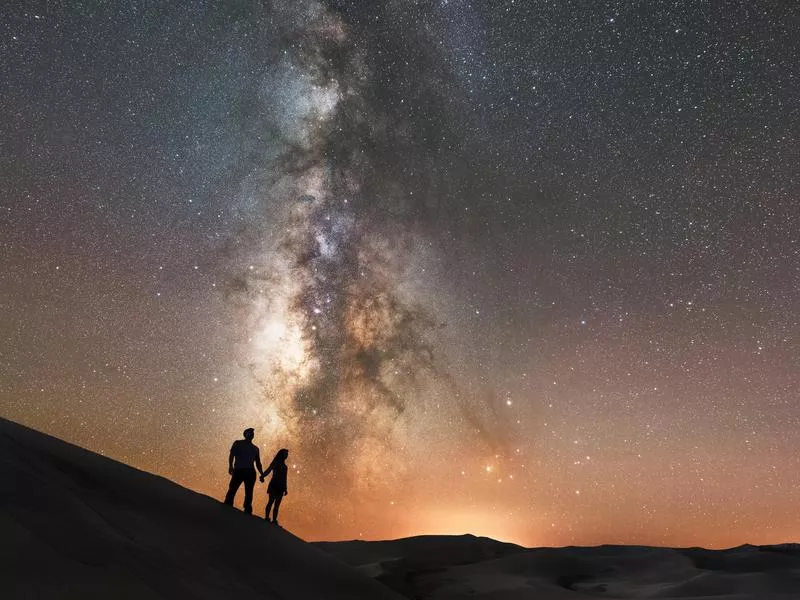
(446, 568)
(74, 524)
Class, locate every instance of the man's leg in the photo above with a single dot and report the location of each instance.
(233, 487)
(249, 483)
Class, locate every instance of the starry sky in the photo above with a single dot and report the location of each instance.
(524, 269)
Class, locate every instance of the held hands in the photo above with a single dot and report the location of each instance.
(261, 479)
(230, 470)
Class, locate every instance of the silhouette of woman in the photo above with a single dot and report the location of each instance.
(277, 488)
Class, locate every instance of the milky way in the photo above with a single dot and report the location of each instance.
(523, 269)
(338, 343)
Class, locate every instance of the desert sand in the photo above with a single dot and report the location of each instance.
(468, 567)
(74, 524)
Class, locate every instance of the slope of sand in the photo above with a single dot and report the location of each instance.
(74, 524)
(441, 567)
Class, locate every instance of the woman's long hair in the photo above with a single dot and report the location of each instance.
(281, 456)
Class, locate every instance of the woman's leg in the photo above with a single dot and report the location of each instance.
(269, 505)
(277, 506)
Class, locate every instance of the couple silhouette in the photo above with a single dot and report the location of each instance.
(243, 461)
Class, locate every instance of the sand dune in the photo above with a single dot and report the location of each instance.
(74, 524)
(442, 568)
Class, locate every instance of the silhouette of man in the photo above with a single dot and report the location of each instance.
(244, 453)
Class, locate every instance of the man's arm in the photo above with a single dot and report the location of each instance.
(230, 461)
(258, 463)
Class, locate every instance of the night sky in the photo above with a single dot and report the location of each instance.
(519, 268)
